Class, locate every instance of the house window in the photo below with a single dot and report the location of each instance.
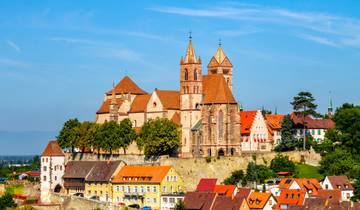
(319, 132)
(313, 132)
(154, 189)
(148, 188)
(55, 178)
(44, 168)
(89, 191)
(44, 178)
(117, 188)
(164, 189)
(171, 200)
(326, 186)
(165, 200)
(136, 189)
(154, 104)
(154, 199)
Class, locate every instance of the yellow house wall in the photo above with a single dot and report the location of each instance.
(98, 189)
(148, 197)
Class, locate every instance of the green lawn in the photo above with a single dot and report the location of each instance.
(307, 171)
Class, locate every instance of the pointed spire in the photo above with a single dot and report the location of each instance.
(330, 106)
(220, 55)
(190, 56)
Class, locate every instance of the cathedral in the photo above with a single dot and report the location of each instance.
(204, 106)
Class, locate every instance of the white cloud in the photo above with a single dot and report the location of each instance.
(345, 29)
(320, 40)
(71, 40)
(12, 63)
(120, 54)
(235, 33)
(14, 46)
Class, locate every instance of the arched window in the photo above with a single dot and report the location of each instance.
(186, 74)
(209, 128)
(221, 124)
(195, 75)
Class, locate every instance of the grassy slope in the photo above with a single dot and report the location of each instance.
(308, 171)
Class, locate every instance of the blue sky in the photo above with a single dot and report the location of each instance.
(57, 58)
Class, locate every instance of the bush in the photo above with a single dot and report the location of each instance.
(208, 159)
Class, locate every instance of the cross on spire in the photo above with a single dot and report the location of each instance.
(219, 42)
(190, 37)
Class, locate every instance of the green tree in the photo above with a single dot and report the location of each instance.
(35, 163)
(69, 135)
(110, 133)
(235, 177)
(338, 162)
(6, 201)
(180, 206)
(288, 142)
(84, 138)
(303, 104)
(94, 138)
(258, 173)
(159, 137)
(127, 134)
(282, 163)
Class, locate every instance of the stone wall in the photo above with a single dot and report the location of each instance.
(128, 159)
(193, 169)
(76, 203)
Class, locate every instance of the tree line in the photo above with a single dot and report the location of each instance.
(156, 137)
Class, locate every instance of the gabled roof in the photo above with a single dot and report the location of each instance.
(238, 201)
(227, 190)
(105, 106)
(312, 123)
(332, 196)
(340, 182)
(219, 59)
(103, 171)
(274, 120)
(141, 174)
(78, 169)
(246, 120)
(206, 185)
(285, 183)
(243, 192)
(310, 185)
(126, 85)
(257, 200)
(291, 197)
(199, 200)
(176, 119)
(216, 91)
(170, 99)
(222, 203)
(139, 103)
(53, 149)
(314, 203)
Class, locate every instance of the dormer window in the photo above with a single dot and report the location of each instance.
(154, 104)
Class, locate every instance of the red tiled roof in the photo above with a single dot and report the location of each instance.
(340, 182)
(53, 149)
(291, 197)
(222, 203)
(243, 192)
(105, 106)
(141, 174)
(199, 200)
(332, 196)
(139, 103)
(247, 119)
(311, 185)
(33, 173)
(170, 99)
(257, 200)
(206, 185)
(216, 91)
(274, 120)
(227, 190)
(285, 183)
(312, 123)
(126, 85)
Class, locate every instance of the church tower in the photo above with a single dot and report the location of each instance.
(190, 96)
(220, 64)
(113, 106)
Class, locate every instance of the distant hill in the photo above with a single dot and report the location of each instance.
(24, 143)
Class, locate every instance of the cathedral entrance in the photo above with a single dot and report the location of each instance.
(221, 152)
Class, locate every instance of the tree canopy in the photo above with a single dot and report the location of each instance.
(282, 163)
(303, 103)
(159, 137)
(69, 135)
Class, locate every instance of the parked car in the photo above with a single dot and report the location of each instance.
(95, 197)
(134, 206)
(79, 194)
(146, 208)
